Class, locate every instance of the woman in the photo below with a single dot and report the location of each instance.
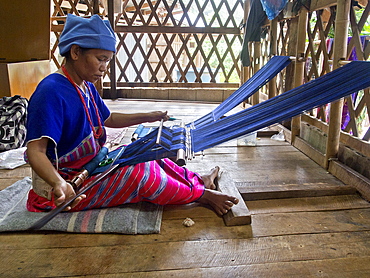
(66, 120)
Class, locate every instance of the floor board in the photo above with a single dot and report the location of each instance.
(305, 235)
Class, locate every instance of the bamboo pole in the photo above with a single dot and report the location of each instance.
(299, 66)
(113, 80)
(245, 70)
(340, 51)
(256, 67)
(273, 51)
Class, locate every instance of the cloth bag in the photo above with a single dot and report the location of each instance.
(13, 114)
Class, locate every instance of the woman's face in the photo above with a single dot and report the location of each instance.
(92, 63)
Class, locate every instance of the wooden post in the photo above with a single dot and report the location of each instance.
(95, 4)
(245, 70)
(256, 67)
(340, 51)
(299, 66)
(113, 81)
(273, 51)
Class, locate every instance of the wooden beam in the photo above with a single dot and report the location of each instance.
(173, 85)
(239, 214)
(351, 177)
(359, 145)
(177, 30)
(284, 191)
(321, 4)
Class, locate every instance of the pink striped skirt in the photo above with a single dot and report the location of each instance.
(160, 181)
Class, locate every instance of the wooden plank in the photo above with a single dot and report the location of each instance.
(239, 213)
(345, 138)
(294, 191)
(19, 172)
(267, 222)
(345, 267)
(123, 258)
(306, 204)
(310, 151)
(349, 176)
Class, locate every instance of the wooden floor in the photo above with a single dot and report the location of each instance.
(305, 223)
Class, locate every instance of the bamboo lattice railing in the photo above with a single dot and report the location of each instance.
(319, 55)
(177, 43)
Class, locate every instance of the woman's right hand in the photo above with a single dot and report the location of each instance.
(64, 191)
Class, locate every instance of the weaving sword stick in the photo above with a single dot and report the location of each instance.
(90, 167)
(159, 132)
(50, 215)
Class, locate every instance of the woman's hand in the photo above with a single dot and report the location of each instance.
(64, 191)
(158, 116)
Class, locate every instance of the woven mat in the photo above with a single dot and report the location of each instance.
(140, 218)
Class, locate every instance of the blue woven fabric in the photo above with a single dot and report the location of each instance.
(328, 88)
(146, 148)
(275, 65)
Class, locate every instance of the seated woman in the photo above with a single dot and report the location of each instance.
(65, 130)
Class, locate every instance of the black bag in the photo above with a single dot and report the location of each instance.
(13, 114)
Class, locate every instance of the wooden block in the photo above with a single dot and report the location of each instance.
(22, 78)
(239, 214)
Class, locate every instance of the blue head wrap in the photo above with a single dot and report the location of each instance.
(90, 32)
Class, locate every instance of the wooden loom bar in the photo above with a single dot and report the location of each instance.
(340, 52)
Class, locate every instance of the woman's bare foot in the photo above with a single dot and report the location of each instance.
(219, 201)
(209, 180)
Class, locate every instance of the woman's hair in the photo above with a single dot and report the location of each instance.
(67, 55)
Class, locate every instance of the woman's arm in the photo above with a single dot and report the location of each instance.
(118, 120)
(36, 153)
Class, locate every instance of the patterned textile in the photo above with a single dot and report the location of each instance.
(161, 182)
(13, 114)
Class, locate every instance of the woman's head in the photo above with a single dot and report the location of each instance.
(87, 33)
(88, 64)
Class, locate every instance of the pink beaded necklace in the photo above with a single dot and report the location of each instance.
(97, 133)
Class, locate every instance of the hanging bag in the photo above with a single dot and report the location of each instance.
(13, 114)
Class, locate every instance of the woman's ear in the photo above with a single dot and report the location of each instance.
(75, 51)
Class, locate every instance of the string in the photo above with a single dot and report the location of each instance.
(97, 133)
